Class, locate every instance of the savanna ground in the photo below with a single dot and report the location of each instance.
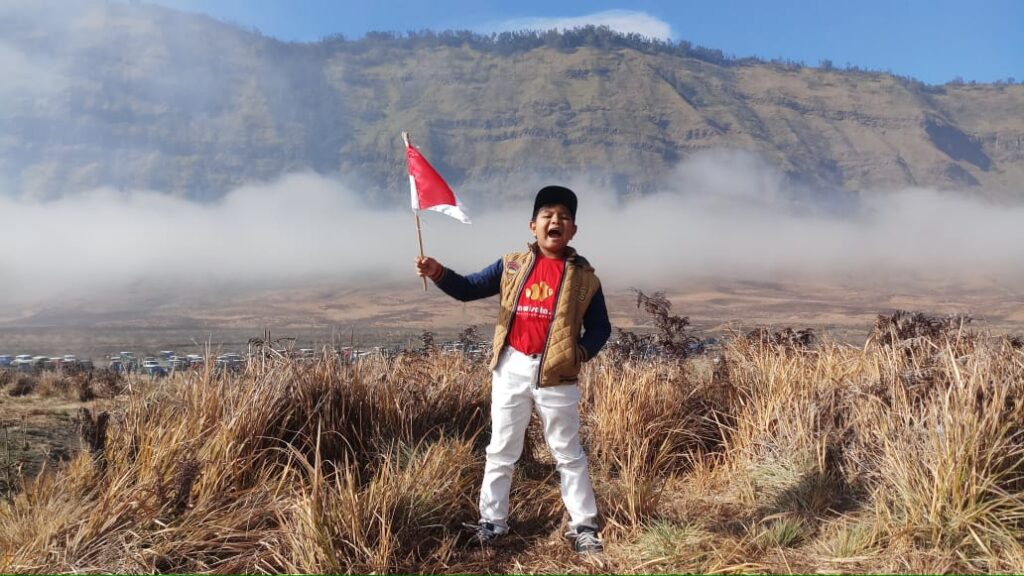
(901, 454)
(329, 314)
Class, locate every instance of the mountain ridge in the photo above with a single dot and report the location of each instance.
(145, 97)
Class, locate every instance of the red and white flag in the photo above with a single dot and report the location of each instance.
(429, 190)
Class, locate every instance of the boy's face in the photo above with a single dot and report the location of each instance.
(554, 228)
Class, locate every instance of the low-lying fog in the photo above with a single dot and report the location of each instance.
(725, 214)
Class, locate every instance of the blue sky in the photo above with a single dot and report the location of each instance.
(932, 40)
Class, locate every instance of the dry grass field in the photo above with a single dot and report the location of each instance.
(902, 454)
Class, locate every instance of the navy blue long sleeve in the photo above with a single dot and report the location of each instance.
(596, 326)
(482, 284)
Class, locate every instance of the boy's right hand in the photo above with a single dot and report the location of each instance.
(429, 268)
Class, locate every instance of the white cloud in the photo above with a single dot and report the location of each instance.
(624, 21)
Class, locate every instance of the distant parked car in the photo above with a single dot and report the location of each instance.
(231, 361)
(128, 361)
(156, 371)
(6, 360)
(152, 367)
(177, 363)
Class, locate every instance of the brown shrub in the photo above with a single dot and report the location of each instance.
(106, 383)
(785, 338)
(24, 384)
(93, 431)
(51, 384)
(905, 330)
(82, 385)
(671, 339)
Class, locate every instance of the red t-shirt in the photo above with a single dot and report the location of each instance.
(536, 305)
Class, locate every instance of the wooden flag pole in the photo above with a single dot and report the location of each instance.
(419, 236)
(419, 232)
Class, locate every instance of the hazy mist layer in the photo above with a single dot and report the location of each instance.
(726, 214)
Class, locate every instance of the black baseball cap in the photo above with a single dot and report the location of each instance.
(551, 195)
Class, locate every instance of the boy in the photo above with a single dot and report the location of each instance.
(548, 296)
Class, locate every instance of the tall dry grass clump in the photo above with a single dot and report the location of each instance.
(220, 472)
(645, 422)
(905, 455)
(80, 385)
(6, 377)
(941, 446)
(773, 453)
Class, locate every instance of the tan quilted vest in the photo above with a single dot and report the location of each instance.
(563, 356)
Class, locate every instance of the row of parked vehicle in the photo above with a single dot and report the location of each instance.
(123, 362)
(28, 362)
(168, 361)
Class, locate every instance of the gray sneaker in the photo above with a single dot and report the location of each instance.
(585, 540)
(484, 533)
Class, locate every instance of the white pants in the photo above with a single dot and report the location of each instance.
(514, 392)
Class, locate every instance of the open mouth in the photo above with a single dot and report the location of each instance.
(554, 233)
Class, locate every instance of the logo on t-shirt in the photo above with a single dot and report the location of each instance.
(539, 291)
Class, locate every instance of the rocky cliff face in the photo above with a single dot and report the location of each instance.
(137, 96)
